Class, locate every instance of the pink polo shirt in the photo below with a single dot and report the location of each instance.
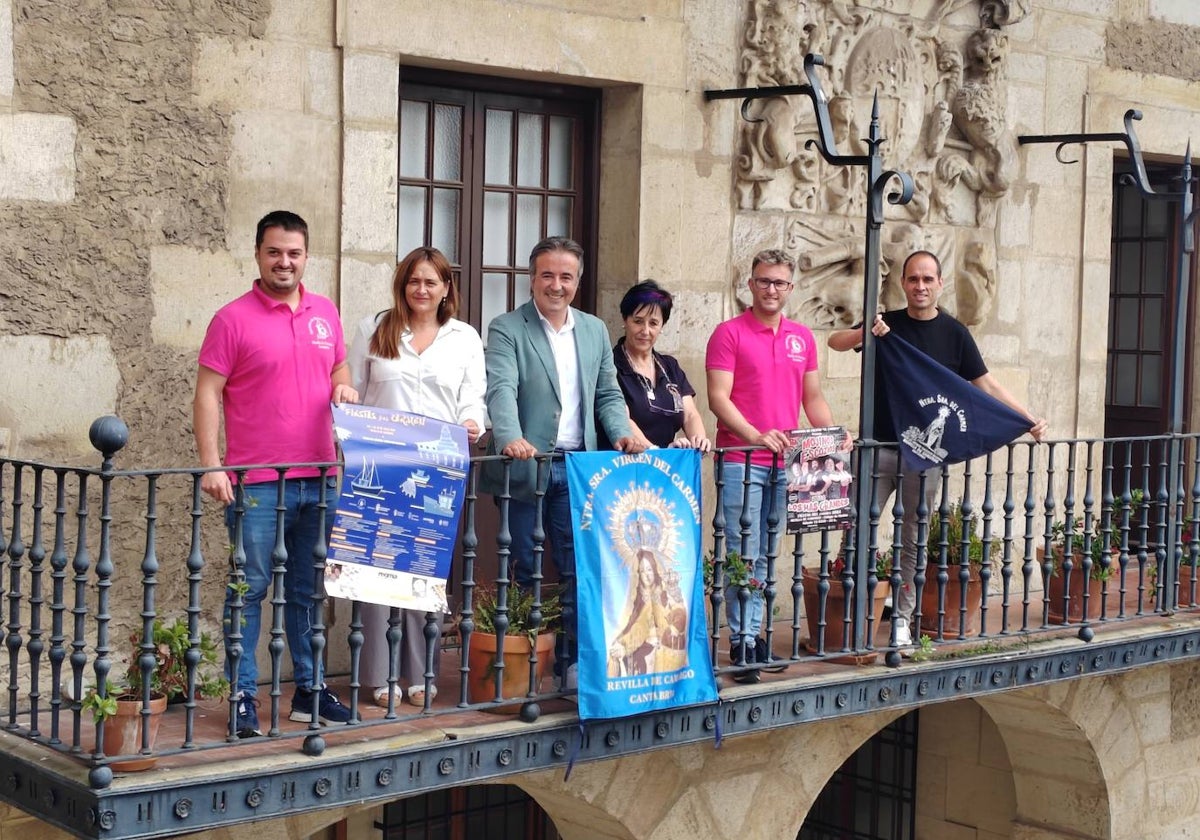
(768, 373)
(277, 365)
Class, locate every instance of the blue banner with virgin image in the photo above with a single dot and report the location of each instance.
(396, 523)
(643, 638)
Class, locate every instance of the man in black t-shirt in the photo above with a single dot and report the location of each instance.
(948, 342)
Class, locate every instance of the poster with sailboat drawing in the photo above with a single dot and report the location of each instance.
(396, 522)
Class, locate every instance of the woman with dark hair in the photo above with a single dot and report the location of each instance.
(416, 357)
(661, 401)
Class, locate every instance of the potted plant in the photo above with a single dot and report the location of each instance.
(521, 639)
(170, 676)
(832, 637)
(1101, 584)
(119, 708)
(957, 614)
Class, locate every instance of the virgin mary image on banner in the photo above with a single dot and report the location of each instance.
(643, 641)
(651, 633)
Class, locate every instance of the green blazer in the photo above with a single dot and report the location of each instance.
(523, 397)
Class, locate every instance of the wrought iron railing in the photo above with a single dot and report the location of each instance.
(76, 541)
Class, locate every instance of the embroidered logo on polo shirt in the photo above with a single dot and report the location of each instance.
(319, 330)
(797, 348)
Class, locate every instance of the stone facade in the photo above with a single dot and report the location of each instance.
(139, 143)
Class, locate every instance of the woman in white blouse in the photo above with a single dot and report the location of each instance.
(416, 357)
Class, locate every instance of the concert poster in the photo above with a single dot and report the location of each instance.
(817, 471)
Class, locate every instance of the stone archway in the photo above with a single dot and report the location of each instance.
(759, 786)
(1058, 775)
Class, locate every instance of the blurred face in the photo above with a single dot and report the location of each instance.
(770, 286)
(922, 285)
(553, 281)
(646, 572)
(424, 290)
(281, 258)
(642, 328)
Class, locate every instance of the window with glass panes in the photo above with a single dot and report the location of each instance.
(487, 167)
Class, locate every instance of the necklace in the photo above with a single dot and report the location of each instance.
(645, 380)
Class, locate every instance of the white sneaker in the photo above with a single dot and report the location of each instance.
(903, 634)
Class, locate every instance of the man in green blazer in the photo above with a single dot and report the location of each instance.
(550, 380)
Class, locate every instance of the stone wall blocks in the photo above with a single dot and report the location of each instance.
(303, 174)
(38, 151)
(371, 84)
(1072, 35)
(369, 191)
(79, 376)
(1176, 11)
(187, 286)
(324, 95)
(1103, 9)
(268, 75)
(366, 287)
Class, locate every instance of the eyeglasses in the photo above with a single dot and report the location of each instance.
(764, 283)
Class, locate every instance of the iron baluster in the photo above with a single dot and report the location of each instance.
(1006, 562)
(566, 586)
(1194, 525)
(967, 509)
(716, 595)
(988, 508)
(148, 659)
(58, 577)
(108, 435)
(315, 744)
(16, 553)
(80, 565)
(1067, 564)
(279, 561)
(195, 570)
(774, 540)
(1027, 565)
(470, 543)
(37, 556)
(1107, 531)
(235, 601)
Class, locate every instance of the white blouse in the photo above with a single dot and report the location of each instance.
(446, 382)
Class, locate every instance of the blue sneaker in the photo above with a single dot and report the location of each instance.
(246, 710)
(329, 708)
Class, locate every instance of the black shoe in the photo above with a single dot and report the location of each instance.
(246, 725)
(777, 664)
(329, 708)
(741, 655)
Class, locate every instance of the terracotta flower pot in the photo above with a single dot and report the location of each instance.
(1056, 590)
(123, 733)
(481, 681)
(954, 623)
(835, 612)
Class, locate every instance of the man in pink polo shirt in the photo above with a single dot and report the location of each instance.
(273, 359)
(762, 368)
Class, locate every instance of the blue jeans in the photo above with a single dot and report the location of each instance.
(754, 544)
(556, 522)
(301, 534)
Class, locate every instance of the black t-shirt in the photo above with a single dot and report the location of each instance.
(661, 418)
(944, 340)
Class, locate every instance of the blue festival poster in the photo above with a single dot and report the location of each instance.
(643, 639)
(396, 523)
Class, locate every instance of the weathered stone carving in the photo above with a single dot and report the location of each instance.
(942, 101)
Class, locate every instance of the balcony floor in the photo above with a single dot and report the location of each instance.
(411, 725)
